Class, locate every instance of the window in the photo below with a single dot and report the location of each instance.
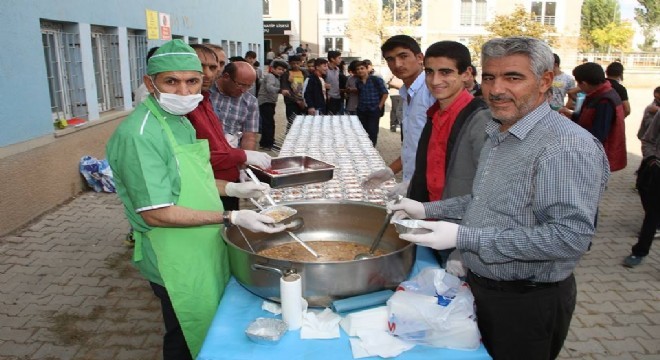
(544, 12)
(473, 12)
(266, 7)
(64, 71)
(334, 43)
(404, 12)
(105, 53)
(193, 40)
(137, 57)
(232, 49)
(334, 7)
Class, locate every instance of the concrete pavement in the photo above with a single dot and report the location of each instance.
(68, 291)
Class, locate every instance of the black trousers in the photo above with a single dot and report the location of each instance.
(174, 343)
(648, 185)
(334, 106)
(267, 112)
(370, 121)
(520, 320)
(292, 109)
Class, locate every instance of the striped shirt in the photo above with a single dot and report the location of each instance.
(237, 114)
(534, 199)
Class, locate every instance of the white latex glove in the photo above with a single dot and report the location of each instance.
(398, 189)
(257, 158)
(455, 264)
(243, 176)
(377, 177)
(246, 190)
(442, 236)
(255, 222)
(406, 208)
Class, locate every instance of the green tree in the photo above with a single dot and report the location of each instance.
(648, 18)
(613, 36)
(374, 21)
(597, 14)
(518, 23)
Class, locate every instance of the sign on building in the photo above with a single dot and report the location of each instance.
(152, 25)
(276, 27)
(165, 28)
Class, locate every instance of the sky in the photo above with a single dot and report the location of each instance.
(627, 9)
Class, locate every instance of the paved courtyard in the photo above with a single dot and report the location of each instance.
(68, 291)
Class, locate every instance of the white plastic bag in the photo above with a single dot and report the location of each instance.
(445, 320)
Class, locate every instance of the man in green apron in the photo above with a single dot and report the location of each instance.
(164, 179)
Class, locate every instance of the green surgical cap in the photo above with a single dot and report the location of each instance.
(175, 55)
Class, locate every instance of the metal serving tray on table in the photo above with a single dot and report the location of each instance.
(294, 170)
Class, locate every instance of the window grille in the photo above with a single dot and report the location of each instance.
(64, 71)
(105, 52)
(137, 59)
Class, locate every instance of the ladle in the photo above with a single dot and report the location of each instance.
(379, 236)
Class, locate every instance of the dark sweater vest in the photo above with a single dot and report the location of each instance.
(615, 143)
(418, 189)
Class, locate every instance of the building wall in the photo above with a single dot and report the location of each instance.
(441, 21)
(39, 164)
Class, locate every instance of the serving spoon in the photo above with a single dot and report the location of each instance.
(379, 236)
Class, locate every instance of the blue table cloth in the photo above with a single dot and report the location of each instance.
(226, 337)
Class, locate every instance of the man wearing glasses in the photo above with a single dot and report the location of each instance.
(236, 108)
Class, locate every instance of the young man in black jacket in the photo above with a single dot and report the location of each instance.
(315, 93)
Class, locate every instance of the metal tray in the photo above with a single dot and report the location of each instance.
(294, 170)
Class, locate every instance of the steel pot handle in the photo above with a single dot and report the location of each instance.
(279, 271)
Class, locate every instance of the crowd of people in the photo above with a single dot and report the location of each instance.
(507, 174)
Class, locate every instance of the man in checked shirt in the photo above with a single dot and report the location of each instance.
(531, 213)
(236, 108)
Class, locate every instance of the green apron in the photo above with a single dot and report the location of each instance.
(192, 261)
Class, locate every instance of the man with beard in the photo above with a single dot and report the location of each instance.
(530, 215)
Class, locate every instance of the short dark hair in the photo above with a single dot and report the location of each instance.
(614, 69)
(294, 58)
(403, 41)
(151, 52)
(589, 72)
(352, 66)
(657, 90)
(251, 54)
(557, 59)
(451, 50)
(205, 50)
(279, 63)
(237, 58)
(320, 61)
(333, 54)
(360, 63)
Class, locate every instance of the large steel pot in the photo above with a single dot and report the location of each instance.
(324, 282)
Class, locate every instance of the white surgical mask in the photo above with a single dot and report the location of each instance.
(177, 104)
